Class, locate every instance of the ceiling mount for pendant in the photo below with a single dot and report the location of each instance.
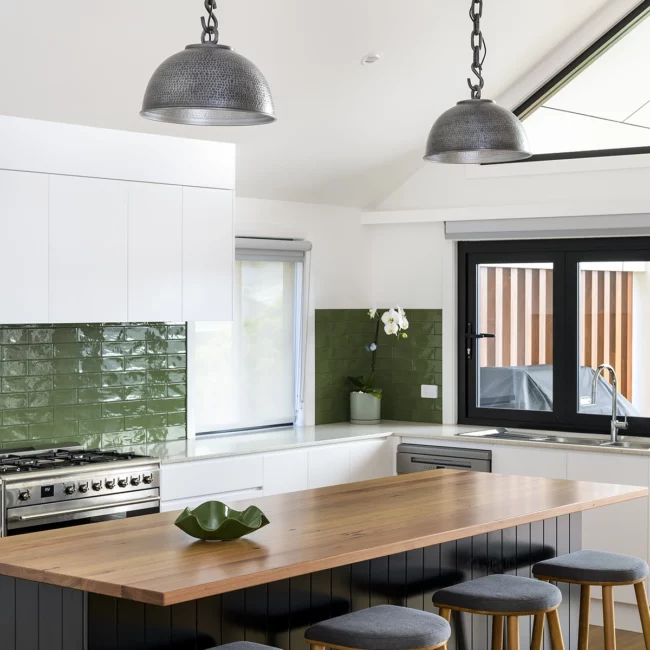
(477, 130)
(208, 84)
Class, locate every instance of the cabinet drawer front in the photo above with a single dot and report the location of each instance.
(205, 477)
(225, 497)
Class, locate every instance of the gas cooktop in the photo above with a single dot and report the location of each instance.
(35, 461)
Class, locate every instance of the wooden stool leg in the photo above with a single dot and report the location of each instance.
(538, 632)
(644, 613)
(583, 625)
(608, 618)
(513, 633)
(557, 643)
(497, 633)
(446, 614)
(318, 647)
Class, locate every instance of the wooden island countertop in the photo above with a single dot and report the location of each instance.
(147, 559)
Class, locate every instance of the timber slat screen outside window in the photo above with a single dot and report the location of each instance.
(534, 325)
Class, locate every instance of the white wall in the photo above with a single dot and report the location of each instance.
(340, 271)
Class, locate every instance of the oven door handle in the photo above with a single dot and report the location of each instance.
(72, 511)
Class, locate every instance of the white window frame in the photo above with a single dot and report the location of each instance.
(289, 250)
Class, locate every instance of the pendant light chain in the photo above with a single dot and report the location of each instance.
(211, 26)
(479, 48)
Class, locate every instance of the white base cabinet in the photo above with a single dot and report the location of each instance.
(278, 472)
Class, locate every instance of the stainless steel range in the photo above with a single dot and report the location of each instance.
(51, 488)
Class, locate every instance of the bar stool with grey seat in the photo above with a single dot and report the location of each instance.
(384, 627)
(244, 645)
(599, 569)
(506, 597)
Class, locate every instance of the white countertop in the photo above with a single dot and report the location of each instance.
(224, 445)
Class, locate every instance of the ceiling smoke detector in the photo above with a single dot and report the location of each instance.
(371, 57)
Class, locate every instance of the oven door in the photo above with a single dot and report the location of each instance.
(29, 519)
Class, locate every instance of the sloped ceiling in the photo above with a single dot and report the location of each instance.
(346, 134)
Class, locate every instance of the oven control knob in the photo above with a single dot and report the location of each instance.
(122, 482)
(110, 483)
(97, 486)
(135, 480)
(24, 495)
(70, 489)
(83, 487)
(148, 479)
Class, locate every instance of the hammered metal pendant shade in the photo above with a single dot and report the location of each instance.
(477, 131)
(208, 84)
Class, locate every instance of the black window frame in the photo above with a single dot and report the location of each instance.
(571, 70)
(566, 255)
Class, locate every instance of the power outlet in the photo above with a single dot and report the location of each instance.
(429, 392)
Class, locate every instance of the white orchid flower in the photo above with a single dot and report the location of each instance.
(391, 316)
(372, 313)
(371, 347)
(391, 328)
(405, 323)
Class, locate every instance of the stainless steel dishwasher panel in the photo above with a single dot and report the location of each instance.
(421, 458)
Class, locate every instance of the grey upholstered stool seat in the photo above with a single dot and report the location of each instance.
(605, 570)
(500, 594)
(384, 627)
(506, 598)
(244, 645)
(595, 567)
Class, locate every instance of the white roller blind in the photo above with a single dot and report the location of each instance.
(287, 250)
(549, 227)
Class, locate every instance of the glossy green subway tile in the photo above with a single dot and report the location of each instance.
(77, 350)
(145, 391)
(176, 361)
(14, 434)
(165, 434)
(120, 409)
(68, 382)
(13, 368)
(25, 384)
(176, 332)
(177, 390)
(41, 335)
(124, 378)
(152, 362)
(13, 352)
(64, 335)
(145, 421)
(52, 398)
(133, 437)
(9, 336)
(104, 425)
(26, 416)
(167, 377)
(176, 419)
(65, 430)
(53, 367)
(146, 333)
(93, 395)
(78, 412)
(166, 406)
(130, 348)
(102, 364)
(13, 401)
(166, 347)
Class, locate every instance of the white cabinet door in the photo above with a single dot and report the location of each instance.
(619, 528)
(24, 255)
(329, 465)
(228, 498)
(521, 461)
(286, 471)
(155, 252)
(88, 250)
(371, 459)
(208, 254)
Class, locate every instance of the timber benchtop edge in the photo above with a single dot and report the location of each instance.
(147, 559)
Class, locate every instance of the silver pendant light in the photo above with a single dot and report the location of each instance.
(208, 84)
(477, 130)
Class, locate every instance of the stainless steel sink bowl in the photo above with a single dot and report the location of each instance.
(515, 436)
(626, 445)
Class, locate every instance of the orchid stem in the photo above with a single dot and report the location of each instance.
(374, 352)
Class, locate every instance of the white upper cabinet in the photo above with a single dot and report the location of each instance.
(88, 250)
(208, 254)
(155, 246)
(24, 256)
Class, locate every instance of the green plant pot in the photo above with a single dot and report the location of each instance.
(365, 409)
(215, 521)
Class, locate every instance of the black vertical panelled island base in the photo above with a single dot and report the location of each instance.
(66, 604)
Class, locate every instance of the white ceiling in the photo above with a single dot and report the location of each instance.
(346, 134)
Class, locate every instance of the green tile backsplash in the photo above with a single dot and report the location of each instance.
(402, 365)
(103, 385)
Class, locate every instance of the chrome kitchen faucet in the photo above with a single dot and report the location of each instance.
(616, 423)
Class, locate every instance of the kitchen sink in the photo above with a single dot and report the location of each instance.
(515, 436)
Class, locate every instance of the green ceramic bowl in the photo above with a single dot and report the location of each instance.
(215, 521)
